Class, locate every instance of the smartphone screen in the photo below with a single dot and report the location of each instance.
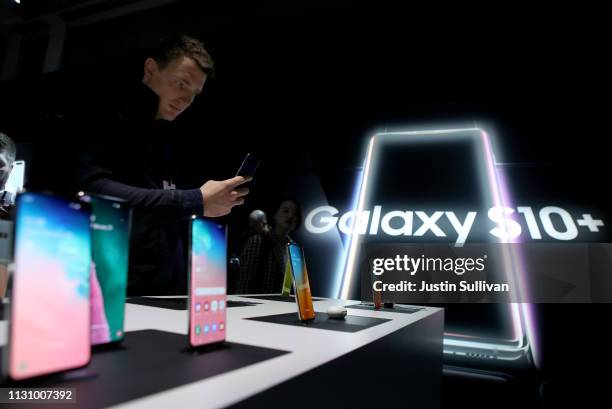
(110, 236)
(207, 282)
(249, 166)
(287, 278)
(301, 285)
(50, 307)
(15, 181)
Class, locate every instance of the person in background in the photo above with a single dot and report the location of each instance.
(263, 257)
(8, 153)
(258, 222)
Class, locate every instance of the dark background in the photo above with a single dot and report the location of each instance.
(303, 83)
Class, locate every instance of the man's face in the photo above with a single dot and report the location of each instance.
(176, 85)
(6, 165)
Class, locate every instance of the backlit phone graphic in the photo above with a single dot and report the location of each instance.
(110, 235)
(301, 286)
(429, 171)
(207, 282)
(50, 307)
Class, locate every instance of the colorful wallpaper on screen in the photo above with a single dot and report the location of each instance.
(302, 286)
(208, 275)
(50, 299)
(110, 239)
(287, 278)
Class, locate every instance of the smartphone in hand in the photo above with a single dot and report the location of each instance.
(249, 165)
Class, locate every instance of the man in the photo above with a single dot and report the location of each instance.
(258, 222)
(263, 257)
(8, 152)
(135, 162)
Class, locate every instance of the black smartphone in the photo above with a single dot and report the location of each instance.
(249, 165)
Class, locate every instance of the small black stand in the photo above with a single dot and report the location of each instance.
(205, 349)
(60, 378)
(350, 323)
(394, 308)
(148, 362)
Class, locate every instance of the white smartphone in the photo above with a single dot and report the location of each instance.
(16, 179)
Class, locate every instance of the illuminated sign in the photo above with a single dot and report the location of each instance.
(394, 158)
(417, 223)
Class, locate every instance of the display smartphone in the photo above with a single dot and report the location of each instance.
(287, 278)
(377, 299)
(110, 236)
(49, 326)
(249, 165)
(14, 184)
(207, 282)
(301, 286)
(15, 181)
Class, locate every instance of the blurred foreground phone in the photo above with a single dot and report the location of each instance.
(49, 326)
(207, 282)
(249, 165)
(110, 236)
(301, 286)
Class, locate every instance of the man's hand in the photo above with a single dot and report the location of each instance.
(220, 196)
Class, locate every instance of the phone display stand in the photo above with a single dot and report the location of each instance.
(205, 349)
(60, 378)
(402, 309)
(350, 323)
(278, 297)
(149, 362)
(179, 304)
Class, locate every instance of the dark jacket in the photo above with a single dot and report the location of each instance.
(120, 150)
(262, 265)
